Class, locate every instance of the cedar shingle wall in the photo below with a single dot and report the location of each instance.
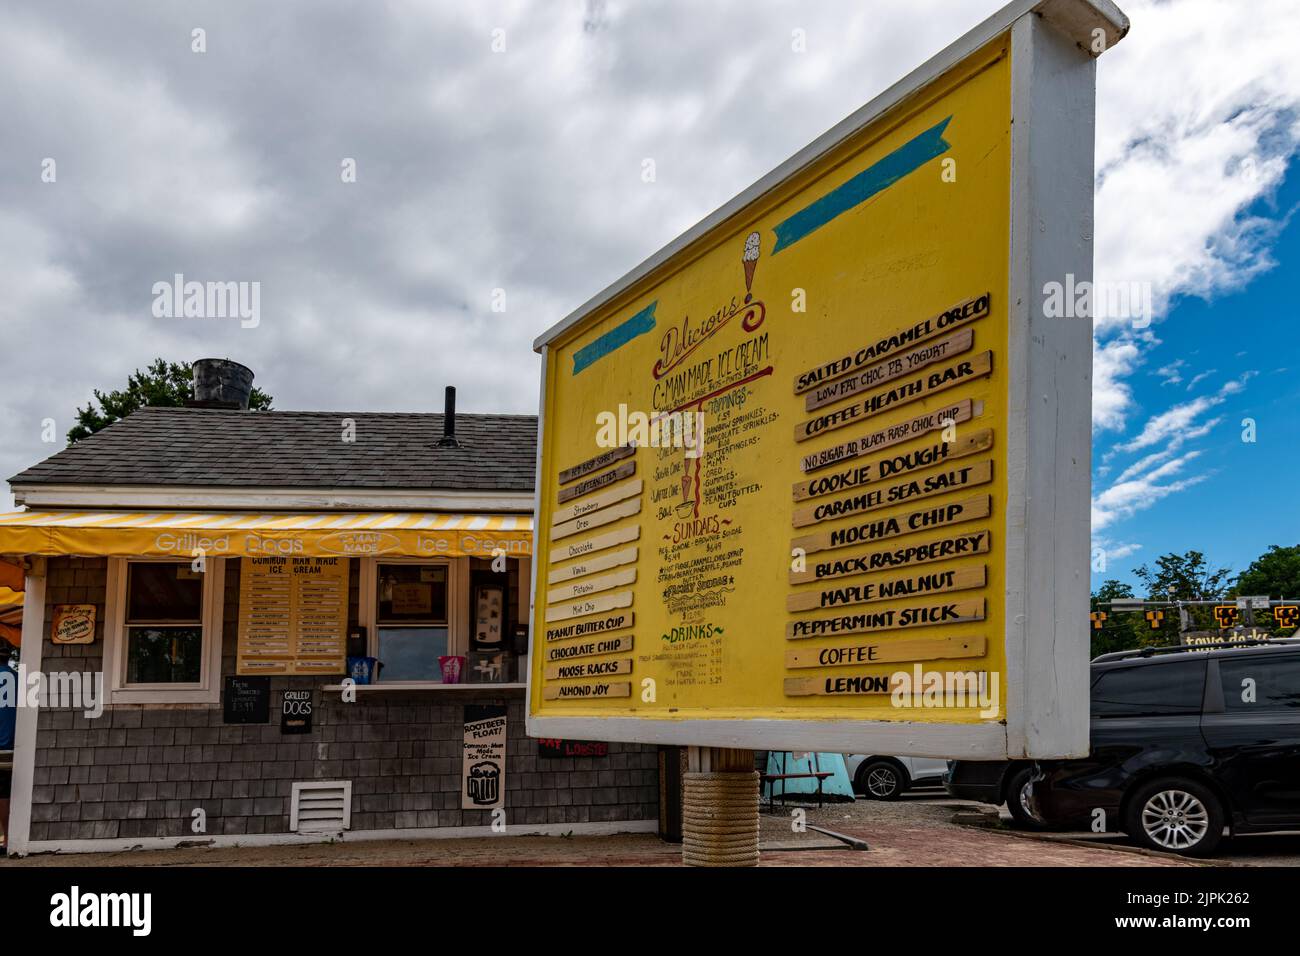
(141, 770)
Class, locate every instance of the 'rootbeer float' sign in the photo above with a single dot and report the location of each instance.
(893, 469)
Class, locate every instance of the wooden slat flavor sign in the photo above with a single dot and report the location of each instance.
(887, 371)
(904, 393)
(589, 669)
(585, 586)
(922, 459)
(602, 500)
(593, 605)
(949, 319)
(596, 482)
(594, 520)
(293, 615)
(610, 539)
(598, 581)
(893, 526)
(884, 496)
(887, 652)
(936, 549)
(590, 648)
(888, 619)
(890, 588)
(614, 622)
(603, 460)
(603, 562)
(887, 435)
(587, 691)
(973, 683)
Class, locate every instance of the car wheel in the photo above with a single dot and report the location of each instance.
(1018, 803)
(1175, 815)
(881, 780)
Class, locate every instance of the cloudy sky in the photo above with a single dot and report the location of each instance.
(499, 146)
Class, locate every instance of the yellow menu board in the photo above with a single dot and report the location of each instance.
(800, 484)
(293, 615)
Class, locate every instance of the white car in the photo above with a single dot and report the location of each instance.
(879, 777)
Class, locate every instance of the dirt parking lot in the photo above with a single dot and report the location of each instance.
(915, 831)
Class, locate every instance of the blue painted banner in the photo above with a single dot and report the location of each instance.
(877, 177)
(615, 338)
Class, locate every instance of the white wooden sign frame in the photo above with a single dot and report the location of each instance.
(1054, 44)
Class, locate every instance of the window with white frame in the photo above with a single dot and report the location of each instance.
(164, 638)
(164, 623)
(413, 619)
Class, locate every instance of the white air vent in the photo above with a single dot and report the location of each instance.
(321, 807)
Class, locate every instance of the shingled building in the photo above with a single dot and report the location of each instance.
(259, 627)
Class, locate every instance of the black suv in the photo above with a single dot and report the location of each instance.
(1185, 741)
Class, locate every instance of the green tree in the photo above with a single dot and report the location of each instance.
(1112, 590)
(163, 384)
(1186, 577)
(1121, 631)
(1276, 573)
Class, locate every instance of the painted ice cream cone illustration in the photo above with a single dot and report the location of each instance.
(750, 260)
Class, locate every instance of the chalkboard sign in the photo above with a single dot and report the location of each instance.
(295, 712)
(247, 700)
(553, 748)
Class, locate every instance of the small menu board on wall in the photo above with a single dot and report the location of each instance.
(73, 624)
(483, 766)
(292, 615)
(247, 700)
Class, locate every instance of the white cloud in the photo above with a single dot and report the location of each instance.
(1171, 448)
(1125, 498)
(1121, 551)
(1112, 362)
(1178, 424)
(1170, 374)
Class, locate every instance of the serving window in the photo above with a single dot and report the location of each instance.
(441, 621)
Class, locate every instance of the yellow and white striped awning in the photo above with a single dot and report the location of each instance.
(188, 533)
(11, 615)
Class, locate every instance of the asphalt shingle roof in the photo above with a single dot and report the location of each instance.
(199, 446)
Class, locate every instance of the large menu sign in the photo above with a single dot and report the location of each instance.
(816, 476)
(293, 615)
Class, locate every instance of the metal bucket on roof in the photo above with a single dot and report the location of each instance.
(223, 383)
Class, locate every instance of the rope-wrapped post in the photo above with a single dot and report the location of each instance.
(720, 809)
